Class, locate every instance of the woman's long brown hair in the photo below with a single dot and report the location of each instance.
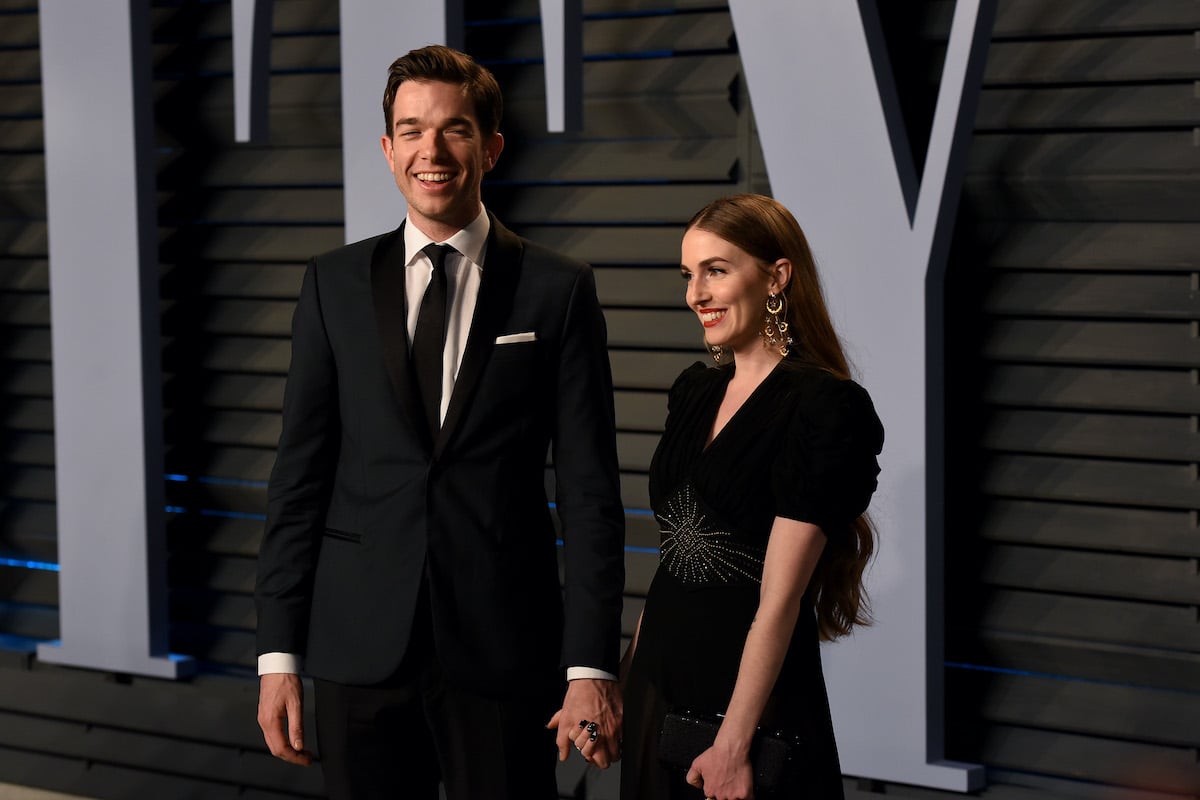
(767, 231)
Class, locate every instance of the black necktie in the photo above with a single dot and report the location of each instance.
(429, 340)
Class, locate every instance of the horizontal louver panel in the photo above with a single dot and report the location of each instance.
(1121, 575)
(1166, 391)
(1097, 619)
(1137, 667)
(1163, 57)
(1095, 481)
(1111, 528)
(1034, 18)
(1097, 246)
(1140, 344)
(1079, 657)
(1123, 436)
(28, 550)
(1114, 762)
(1149, 715)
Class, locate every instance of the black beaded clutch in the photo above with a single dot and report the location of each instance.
(774, 756)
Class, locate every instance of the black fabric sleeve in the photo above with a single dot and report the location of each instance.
(683, 383)
(826, 468)
(587, 487)
(298, 491)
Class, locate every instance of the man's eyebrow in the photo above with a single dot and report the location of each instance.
(451, 122)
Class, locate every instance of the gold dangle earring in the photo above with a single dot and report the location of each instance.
(775, 326)
(714, 350)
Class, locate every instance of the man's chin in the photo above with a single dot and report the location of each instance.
(442, 216)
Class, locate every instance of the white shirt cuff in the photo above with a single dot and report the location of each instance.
(279, 662)
(575, 673)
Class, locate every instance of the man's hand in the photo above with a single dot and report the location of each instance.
(281, 717)
(590, 702)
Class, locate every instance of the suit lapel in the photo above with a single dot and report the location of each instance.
(496, 289)
(387, 294)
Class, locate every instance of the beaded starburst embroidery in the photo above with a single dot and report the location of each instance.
(696, 552)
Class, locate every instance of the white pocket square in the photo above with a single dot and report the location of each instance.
(513, 338)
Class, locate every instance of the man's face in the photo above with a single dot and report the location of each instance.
(438, 155)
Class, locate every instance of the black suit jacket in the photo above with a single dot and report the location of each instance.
(362, 504)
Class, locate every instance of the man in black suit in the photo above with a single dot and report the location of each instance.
(409, 562)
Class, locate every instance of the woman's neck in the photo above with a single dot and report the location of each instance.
(755, 362)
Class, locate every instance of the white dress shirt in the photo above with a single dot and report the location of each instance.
(464, 270)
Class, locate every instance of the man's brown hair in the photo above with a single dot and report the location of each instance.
(444, 64)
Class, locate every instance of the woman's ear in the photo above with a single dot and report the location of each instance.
(781, 275)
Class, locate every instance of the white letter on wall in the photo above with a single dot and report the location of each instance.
(100, 202)
(374, 34)
(830, 159)
(251, 69)
(562, 46)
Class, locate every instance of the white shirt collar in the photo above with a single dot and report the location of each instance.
(471, 241)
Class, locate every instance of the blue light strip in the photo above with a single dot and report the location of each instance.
(21, 644)
(211, 480)
(214, 512)
(1025, 673)
(18, 642)
(628, 548)
(23, 563)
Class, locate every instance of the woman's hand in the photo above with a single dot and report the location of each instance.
(722, 774)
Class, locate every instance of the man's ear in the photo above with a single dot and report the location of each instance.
(492, 149)
(385, 142)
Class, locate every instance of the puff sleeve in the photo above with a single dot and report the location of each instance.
(684, 383)
(826, 467)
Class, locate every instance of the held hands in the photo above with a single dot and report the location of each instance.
(590, 719)
(281, 717)
(722, 775)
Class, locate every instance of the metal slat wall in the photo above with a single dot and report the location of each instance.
(1073, 590)
(1073, 560)
(28, 553)
(237, 222)
(102, 735)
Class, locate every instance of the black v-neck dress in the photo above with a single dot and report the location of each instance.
(802, 446)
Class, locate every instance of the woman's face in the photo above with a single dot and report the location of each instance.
(727, 288)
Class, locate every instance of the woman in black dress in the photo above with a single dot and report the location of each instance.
(759, 483)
